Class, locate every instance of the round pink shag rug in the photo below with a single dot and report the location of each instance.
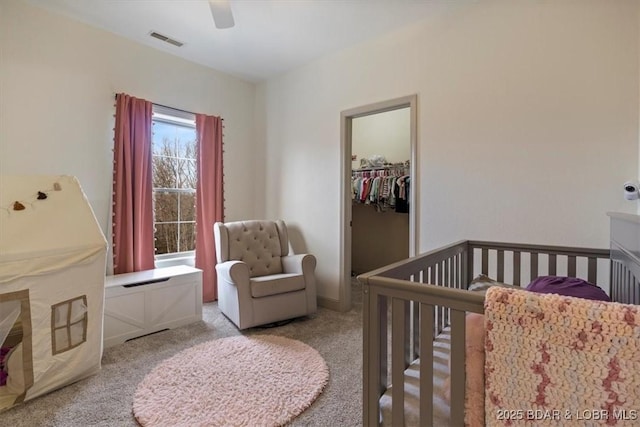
(262, 380)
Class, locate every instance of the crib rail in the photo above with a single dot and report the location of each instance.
(403, 297)
(519, 264)
(408, 303)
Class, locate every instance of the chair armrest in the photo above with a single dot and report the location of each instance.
(304, 264)
(300, 264)
(236, 272)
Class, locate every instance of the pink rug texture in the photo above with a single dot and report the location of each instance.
(262, 380)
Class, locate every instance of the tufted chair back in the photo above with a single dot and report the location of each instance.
(259, 244)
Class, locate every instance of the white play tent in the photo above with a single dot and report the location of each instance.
(52, 269)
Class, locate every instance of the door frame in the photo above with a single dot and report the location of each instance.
(346, 127)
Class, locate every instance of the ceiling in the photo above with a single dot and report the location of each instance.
(269, 37)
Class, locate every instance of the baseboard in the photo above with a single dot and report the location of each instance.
(332, 304)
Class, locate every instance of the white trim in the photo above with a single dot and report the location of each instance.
(176, 258)
(346, 118)
(173, 115)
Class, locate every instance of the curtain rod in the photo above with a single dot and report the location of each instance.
(166, 106)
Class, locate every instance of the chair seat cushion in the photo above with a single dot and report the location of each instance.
(274, 284)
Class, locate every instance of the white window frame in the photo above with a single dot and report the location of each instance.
(184, 119)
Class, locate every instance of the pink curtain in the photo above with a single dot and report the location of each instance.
(133, 240)
(209, 199)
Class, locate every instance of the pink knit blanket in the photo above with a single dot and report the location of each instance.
(556, 361)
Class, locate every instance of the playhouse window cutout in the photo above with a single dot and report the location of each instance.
(68, 324)
(15, 352)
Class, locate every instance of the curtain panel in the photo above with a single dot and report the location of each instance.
(209, 199)
(133, 232)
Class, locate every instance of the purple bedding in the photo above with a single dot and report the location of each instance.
(567, 286)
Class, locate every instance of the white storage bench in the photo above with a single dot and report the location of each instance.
(144, 302)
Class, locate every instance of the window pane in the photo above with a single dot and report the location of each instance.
(163, 135)
(77, 333)
(174, 168)
(166, 206)
(187, 207)
(166, 238)
(62, 340)
(186, 174)
(60, 315)
(186, 142)
(78, 310)
(187, 237)
(165, 172)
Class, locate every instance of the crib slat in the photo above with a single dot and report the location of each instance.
(456, 271)
(627, 288)
(552, 265)
(407, 334)
(623, 283)
(615, 296)
(614, 281)
(441, 323)
(500, 266)
(534, 266)
(571, 266)
(467, 266)
(415, 320)
(457, 367)
(592, 270)
(460, 271)
(398, 327)
(624, 294)
(445, 272)
(446, 282)
(375, 340)
(485, 261)
(516, 268)
(426, 368)
(620, 282)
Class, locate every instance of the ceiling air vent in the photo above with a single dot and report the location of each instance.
(165, 39)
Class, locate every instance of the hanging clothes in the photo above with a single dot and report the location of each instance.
(401, 191)
(384, 188)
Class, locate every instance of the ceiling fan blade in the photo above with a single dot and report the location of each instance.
(221, 12)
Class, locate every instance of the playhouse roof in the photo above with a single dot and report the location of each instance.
(46, 224)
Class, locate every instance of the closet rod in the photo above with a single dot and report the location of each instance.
(166, 106)
(381, 168)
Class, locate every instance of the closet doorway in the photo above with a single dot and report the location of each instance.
(380, 187)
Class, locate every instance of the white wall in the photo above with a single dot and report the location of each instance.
(527, 124)
(386, 134)
(58, 78)
(528, 118)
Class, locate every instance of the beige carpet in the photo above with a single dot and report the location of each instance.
(237, 381)
(106, 399)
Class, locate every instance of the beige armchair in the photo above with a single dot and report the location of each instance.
(258, 281)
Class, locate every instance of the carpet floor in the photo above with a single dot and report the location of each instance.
(106, 398)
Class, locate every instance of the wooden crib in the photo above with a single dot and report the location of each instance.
(410, 303)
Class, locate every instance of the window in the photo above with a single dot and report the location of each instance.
(174, 181)
(68, 324)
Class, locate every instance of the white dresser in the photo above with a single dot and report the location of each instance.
(144, 302)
